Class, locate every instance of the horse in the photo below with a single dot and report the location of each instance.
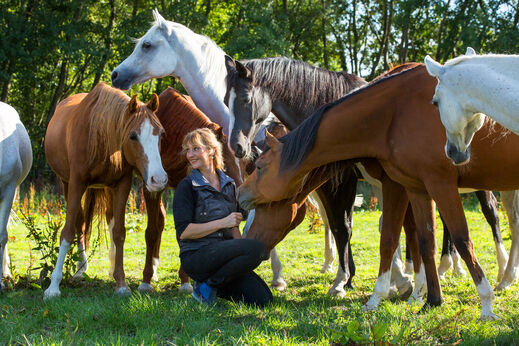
(178, 116)
(257, 87)
(15, 163)
(470, 87)
(170, 48)
(390, 125)
(97, 140)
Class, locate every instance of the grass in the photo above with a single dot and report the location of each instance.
(89, 313)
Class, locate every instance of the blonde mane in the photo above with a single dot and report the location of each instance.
(110, 123)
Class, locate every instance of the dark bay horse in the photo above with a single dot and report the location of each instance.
(97, 140)
(293, 90)
(178, 116)
(393, 125)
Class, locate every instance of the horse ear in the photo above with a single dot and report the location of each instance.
(470, 51)
(434, 68)
(219, 134)
(159, 20)
(230, 64)
(153, 103)
(133, 105)
(243, 71)
(272, 141)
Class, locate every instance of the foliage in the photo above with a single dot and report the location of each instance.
(52, 49)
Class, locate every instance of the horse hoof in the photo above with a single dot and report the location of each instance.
(186, 287)
(407, 294)
(280, 285)
(145, 287)
(489, 316)
(123, 291)
(460, 272)
(502, 286)
(49, 294)
(337, 292)
(327, 268)
(392, 293)
(155, 278)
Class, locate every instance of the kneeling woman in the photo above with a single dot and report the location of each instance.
(205, 209)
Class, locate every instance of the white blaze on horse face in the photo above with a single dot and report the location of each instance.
(156, 177)
(232, 99)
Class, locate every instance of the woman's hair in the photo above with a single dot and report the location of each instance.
(204, 137)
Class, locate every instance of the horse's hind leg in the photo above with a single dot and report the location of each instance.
(185, 286)
(277, 282)
(450, 257)
(82, 263)
(394, 208)
(510, 201)
(6, 202)
(74, 191)
(449, 204)
(488, 203)
(153, 235)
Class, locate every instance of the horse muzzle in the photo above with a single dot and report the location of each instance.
(457, 156)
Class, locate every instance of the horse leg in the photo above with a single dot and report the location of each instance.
(156, 217)
(510, 201)
(82, 263)
(6, 203)
(394, 208)
(488, 203)
(185, 286)
(278, 282)
(449, 204)
(120, 197)
(411, 237)
(74, 190)
(408, 265)
(329, 254)
(424, 215)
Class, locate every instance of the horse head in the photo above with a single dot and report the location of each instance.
(249, 104)
(460, 123)
(154, 56)
(268, 183)
(141, 145)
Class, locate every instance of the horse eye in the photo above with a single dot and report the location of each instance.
(133, 136)
(146, 45)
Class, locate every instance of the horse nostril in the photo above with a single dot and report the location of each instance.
(114, 75)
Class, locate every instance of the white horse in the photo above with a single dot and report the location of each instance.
(172, 49)
(470, 87)
(15, 162)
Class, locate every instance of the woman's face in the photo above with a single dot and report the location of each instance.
(199, 157)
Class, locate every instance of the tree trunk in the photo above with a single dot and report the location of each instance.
(108, 43)
(325, 53)
(59, 89)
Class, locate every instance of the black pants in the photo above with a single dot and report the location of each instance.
(228, 266)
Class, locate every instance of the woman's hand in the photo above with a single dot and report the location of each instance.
(232, 220)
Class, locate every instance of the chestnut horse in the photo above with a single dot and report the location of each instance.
(393, 122)
(178, 117)
(97, 140)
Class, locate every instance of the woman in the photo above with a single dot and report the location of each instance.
(205, 209)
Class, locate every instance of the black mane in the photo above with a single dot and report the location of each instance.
(302, 86)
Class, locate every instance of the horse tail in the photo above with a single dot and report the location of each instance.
(95, 203)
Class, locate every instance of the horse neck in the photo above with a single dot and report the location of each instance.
(293, 105)
(491, 91)
(359, 126)
(203, 74)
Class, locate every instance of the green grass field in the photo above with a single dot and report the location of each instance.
(89, 312)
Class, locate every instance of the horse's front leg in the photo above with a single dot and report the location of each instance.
(156, 217)
(120, 197)
(74, 190)
(394, 208)
(6, 202)
(510, 201)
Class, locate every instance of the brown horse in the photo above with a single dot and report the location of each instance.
(97, 140)
(178, 116)
(394, 122)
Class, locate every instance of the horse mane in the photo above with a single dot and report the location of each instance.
(110, 123)
(301, 85)
(299, 142)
